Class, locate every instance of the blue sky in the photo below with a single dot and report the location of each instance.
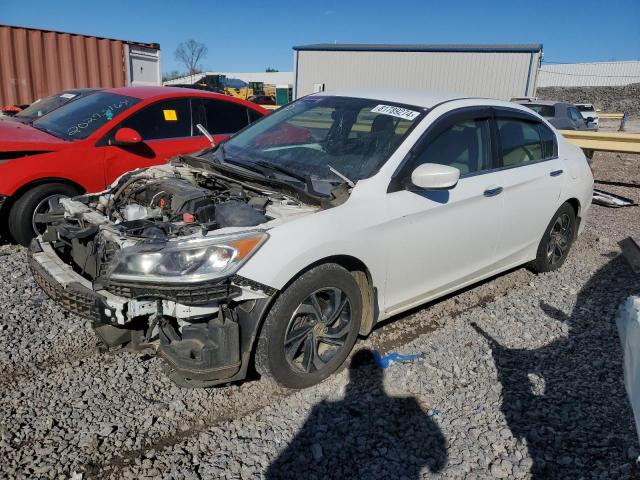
(251, 35)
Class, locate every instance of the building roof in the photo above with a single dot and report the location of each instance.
(269, 78)
(379, 47)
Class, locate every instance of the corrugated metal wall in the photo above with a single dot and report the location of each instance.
(589, 74)
(497, 75)
(37, 63)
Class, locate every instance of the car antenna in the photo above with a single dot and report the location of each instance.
(206, 134)
(343, 177)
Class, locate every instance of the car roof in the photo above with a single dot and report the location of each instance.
(418, 98)
(80, 90)
(144, 93)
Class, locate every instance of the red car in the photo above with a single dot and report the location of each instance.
(85, 145)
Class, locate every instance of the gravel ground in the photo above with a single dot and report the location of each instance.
(520, 377)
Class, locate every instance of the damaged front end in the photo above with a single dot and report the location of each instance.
(153, 262)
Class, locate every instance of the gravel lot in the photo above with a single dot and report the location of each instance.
(533, 391)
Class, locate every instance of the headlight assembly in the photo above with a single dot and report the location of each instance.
(186, 261)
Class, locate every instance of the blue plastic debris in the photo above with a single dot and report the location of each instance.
(393, 357)
(434, 413)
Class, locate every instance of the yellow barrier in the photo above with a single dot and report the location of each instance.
(611, 115)
(604, 141)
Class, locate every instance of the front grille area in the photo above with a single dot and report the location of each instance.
(76, 298)
(201, 294)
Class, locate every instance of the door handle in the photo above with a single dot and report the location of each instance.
(493, 191)
(556, 173)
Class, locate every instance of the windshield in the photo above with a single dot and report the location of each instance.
(319, 135)
(43, 106)
(79, 119)
(543, 110)
(585, 108)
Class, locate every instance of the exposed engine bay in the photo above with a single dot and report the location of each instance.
(160, 204)
(152, 262)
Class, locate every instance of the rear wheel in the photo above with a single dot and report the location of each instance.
(556, 241)
(24, 223)
(311, 328)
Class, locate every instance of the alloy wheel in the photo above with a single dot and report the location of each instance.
(559, 239)
(317, 329)
(44, 206)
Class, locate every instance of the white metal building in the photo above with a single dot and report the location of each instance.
(594, 74)
(497, 71)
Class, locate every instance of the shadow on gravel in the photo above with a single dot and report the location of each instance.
(567, 399)
(368, 435)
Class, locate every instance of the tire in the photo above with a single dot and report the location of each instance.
(294, 312)
(21, 214)
(556, 241)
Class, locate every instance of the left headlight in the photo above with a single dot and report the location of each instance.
(187, 261)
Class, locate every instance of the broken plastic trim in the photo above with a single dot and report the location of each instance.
(607, 199)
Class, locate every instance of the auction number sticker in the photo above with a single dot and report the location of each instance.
(68, 95)
(170, 115)
(396, 112)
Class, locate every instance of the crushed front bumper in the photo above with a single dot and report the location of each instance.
(203, 344)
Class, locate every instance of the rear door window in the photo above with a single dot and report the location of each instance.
(161, 120)
(219, 116)
(520, 141)
(549, 144)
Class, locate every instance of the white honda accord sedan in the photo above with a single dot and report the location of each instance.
(279, 247)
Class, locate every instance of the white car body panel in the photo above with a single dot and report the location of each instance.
(417, 247)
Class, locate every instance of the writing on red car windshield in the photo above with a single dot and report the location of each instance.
(107, 113)
(80, 118)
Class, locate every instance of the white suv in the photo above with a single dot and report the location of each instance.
(587, 110)
(281, 246)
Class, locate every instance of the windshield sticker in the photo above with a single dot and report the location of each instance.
(170, 115)
(396, 112)
(67, 95)
(107, 113)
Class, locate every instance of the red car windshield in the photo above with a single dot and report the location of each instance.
(77, 120)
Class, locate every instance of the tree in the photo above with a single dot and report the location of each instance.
(190, 53)
(270, 69)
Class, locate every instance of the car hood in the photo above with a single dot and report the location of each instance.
(18, 137)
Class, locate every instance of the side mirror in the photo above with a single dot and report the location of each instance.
(589, 119)
(126, 136)
(433, 176)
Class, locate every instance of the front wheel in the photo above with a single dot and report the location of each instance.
(24, 221)
(556, 241)
(311, 328)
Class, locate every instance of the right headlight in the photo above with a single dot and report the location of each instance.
(187, 261)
